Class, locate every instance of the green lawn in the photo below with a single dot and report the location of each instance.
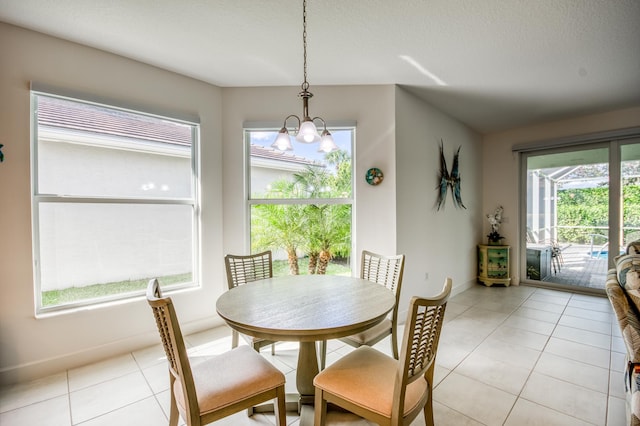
(76, 294)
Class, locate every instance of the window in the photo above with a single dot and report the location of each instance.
(114, 202)
(301, 203)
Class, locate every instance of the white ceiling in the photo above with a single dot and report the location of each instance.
(501, 63)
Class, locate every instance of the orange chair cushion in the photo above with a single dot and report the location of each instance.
(229, 378)
(366, 377)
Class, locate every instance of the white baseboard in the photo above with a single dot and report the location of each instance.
(46, 367)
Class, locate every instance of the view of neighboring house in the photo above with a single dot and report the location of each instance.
(269, 165)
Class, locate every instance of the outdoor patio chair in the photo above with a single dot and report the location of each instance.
(557, 261)
(556, 255)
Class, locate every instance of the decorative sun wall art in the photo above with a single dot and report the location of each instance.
(374, 176)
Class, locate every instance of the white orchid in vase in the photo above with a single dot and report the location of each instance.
(495, 220)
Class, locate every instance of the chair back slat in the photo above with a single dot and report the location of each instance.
(245, 269)
(173, 344)
(420, 342)
(161, 315)
(424, 341)
(384, 270)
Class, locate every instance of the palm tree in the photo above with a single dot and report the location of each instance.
(279, 225)
(333, 228)
(327, 226)
(314, 183)
(321, 230)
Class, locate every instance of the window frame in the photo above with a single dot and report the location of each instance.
(38, 198)
(250, 201)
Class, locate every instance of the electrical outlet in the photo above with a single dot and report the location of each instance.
(426, 276)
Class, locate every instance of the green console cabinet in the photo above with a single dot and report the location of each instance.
(493, 265)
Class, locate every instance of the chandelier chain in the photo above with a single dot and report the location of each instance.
(307, 132)
(305, 84)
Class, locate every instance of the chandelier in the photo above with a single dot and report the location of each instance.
(306, 130)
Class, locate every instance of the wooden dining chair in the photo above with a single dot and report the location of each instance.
(218, 387)
(381, 389)
(242, 269)
(386, 271)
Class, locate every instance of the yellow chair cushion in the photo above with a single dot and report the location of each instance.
(366, 377)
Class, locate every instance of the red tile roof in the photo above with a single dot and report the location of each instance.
(275, 154)
(62, 113)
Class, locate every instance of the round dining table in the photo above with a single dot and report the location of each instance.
(305, 308)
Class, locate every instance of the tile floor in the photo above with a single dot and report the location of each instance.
(507, 356)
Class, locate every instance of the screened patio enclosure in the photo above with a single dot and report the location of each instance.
(582, 208)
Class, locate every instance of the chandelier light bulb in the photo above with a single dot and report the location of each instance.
(308, 133)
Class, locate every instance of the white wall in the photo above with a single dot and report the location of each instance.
(500, 164)
(438, 243)
(34, 347)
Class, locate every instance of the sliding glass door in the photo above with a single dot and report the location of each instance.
(582, 207)
(630, 183)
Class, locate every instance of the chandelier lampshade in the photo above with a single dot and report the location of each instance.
(283, 141)
(308, 133)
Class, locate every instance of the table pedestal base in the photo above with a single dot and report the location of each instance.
(307, 370)
(302, 402)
